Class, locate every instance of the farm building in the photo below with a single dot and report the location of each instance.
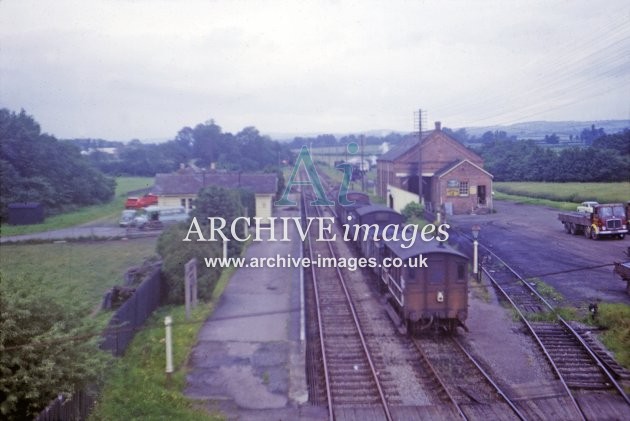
(181, 188)
(437, 171)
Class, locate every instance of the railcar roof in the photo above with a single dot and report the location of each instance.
(421, 247)
(364, 210)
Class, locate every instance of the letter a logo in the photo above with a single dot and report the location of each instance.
(313, 180)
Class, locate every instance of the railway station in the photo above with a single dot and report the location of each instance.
(437, 170)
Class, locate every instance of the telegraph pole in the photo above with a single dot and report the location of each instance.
(420, 193)
(361, 166)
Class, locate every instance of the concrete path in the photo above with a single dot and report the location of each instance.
(249, 360)
(86, 232)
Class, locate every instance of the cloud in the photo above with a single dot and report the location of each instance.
(143, 69)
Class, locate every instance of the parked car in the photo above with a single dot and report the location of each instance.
(587, 207)
(127, 218)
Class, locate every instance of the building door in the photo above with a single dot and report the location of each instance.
(481, 194)
(414, 184)
(391, 201)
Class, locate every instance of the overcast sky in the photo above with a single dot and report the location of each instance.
(123, 69)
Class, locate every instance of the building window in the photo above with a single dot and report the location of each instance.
(182, 202)
(463, 188)
(190, 203)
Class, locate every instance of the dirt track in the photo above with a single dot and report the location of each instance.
(533, 242)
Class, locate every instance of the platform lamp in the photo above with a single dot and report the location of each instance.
(475, 232)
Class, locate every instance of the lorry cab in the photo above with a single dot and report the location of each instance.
(610, 219)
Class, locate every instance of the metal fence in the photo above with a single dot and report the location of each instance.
(117, 336)
(133, 313)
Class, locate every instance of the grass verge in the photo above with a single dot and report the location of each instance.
(567, 206)
(567, 192)
(85, 214)
(137, 389)
(615, 318)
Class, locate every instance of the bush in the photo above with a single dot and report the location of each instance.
(37, 360)
(176, 253)
(413, 211)
(616, 319)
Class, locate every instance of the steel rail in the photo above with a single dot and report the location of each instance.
(320, 324)
(540, 343)
(355, 317)
(598, 361)
(507, 400)
(439, 379)
(600, 364)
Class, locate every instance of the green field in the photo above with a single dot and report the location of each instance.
(571, 193)
(76, 273)
(108, 211)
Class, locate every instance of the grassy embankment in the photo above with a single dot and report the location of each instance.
(76, 273)
(107, 211)
(561, 195)
(137, 387)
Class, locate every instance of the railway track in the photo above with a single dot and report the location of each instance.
(467, 385)
(467, 392)
(588, 376)
(351, 378)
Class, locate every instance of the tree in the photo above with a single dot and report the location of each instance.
(552, 140)
(588, 136)
(619, 142)
(37, 358)
(40, 168)
(461, 135)
(213, 201)
(176, 253)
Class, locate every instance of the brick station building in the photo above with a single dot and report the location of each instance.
(436, 170)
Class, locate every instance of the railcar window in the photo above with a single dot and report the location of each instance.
(437, 272)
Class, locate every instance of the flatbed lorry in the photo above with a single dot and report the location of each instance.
(609, 219)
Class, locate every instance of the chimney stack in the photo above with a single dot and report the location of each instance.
(438, 126)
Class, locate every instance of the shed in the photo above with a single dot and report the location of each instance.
(26, 213)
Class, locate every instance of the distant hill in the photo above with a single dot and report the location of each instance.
(538, 129)
(526, 130)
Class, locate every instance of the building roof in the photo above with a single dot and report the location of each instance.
(365, 210)
(190, 182)
(402, 148)
(411, 141)
(451, 166)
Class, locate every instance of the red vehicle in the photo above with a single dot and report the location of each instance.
(141, 202)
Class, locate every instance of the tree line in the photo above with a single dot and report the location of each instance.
(204, 145)
(607, 160)
(36, 167)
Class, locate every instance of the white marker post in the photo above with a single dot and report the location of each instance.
(168, 321)
(225, 254)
